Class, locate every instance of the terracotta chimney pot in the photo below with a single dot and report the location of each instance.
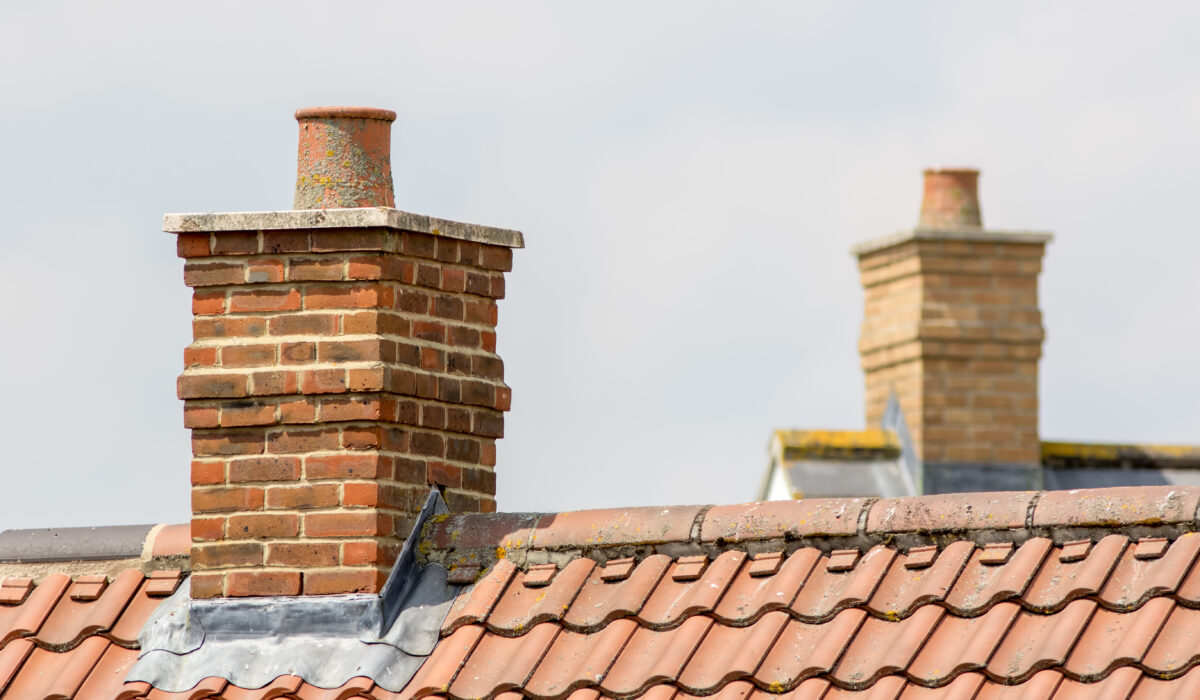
(951, 199)
(344, 159)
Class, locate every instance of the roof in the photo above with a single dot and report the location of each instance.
(1090, 593)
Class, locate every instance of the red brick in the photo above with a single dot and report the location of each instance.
(264, 469)
(256, 355)
(347, 296)
(478, 393)
(454, 280)
(262, 583)
(207, 585)
(463, 337)
(205, 274)
(448, 307)
(342, 466)
(201, 416)
(350, 239)
(428, 444)
(497, 288)
(479, 283)
(447, 250)
(192, 245)
(207, 473)
(297, 353)
(227, 554)
(429, 276)
(482, 312)
(302, 554)
(366, 379)
(221, 499)
(264, 300)
(413, 301)
(360, 552)
(479, 480)
(350, 409)
(444, 474)
(208, 529)
(304, 324)
(487, 341)
(244, 327)
(323, 381)
(274, 383)
(350, 350)
(418, 245)
(264, 270)
(503, 398)
(495, 258)
(301, 497)
(210, 443)
(362, 438)
(257, 525)
(344, 524)
(199, 356)
(243, 414)
(487, 453)
(366, 268)
(211, 386)
(343, 581)
(235, 243)
(291, 440)
(208, 303)
(303, 410)
(285, 242)
(356, 494)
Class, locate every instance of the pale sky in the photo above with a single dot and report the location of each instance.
(689, 178)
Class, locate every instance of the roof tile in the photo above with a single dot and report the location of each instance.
(1059, 582)
(108, 676)
(1125, 505)
(475, 604)
(74, 618)
(749, 596)
(888, 688)
(961, 644)
(981, 585)
(962, 688)
(1178, 643)
(1037, 641)
(1151, 688)
(49, 674)
(827, 592)
(1041, 686)
(600, 601)
(12, 656)
(439, 670)
(730, 653)
(576, 660)
(27, 618)
(503, 663)
(674, 600)
(905, 588)
(615, 527)
(883, 647)
(1117, 686)
(805, 649)
(1135, 579)
(521, 607)
(1114, 638)
(652, 656)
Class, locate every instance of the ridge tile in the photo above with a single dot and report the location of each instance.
(615, 527)
(1004, 510)
(778, 520)
(1117, 506)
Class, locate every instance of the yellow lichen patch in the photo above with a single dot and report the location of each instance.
(501, 553)
(798, 444)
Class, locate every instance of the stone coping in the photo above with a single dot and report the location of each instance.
(948, 234)
(367, 217)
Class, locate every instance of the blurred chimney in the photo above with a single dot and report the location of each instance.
(343, 361)
(952, 327)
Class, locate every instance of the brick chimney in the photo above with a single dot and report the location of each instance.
(952, 327)
(344, 359)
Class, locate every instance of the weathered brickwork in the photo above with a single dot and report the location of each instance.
(952, 326)
(334, 375)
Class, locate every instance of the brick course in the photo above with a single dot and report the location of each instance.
(334, 375)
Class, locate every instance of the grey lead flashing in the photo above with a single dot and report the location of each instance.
(326, 640)
(946, 234)
(368, 217)
(73, 543)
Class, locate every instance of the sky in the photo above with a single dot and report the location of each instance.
(689, 178)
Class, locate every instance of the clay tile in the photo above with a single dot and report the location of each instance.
(576, 659)
(689, 568)
(172, 540)
(540, 575)
(617, 570)
(996, 553)
(730, 653)
(474, 604)
(1123, 505)
(86, 588)
(921, 557)
(809, 517)
(1074, 551)
(449, 655)
(981, 585)
(766, 564)
(951, 512)
(160, 584)
(12, 658)
(651, 656)
(601, 601)
(805, 650)
(1037, 641)
(1150, 548)
(1176, 647)
(1040, 686)
(961, 644)
(749, 596)
(615, 527)
(1134, 580)
(904, 589)
(828, 591)
(1116, 639)
(674, 599)
(14, 590)
(1059, 581)
(522, 607)
(503, 663)
(106, 678)
(1119, 684)
(463, 573)
(842, 560)
(134, 689)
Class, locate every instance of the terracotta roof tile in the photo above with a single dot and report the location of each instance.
(1117, 686)
(982, 585)
(48, 674)
(1040, 687)
(884, 647)
(653, 656)
(962, 644)
(749, 596)
(826, 592)
(1037, 641)
(600, 601)
(1135, 580)
(521, 607)
(904, 588)
(1059, 582)
(804, 649)
(730, 653)
(675, 599)
(1114, 639)
(576, 659)
(1151, 688)
(951, 512)
(1177, 645)
(108, 676)
(476, 604)
(75, 618)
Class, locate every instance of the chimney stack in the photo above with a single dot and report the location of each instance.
(952, 327)
(344, 360)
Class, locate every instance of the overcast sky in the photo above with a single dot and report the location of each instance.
(689, 178)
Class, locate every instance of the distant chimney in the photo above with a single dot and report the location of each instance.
(952, 327)
(344, 360)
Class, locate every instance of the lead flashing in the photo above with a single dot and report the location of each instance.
(972, 235)
(368, 217)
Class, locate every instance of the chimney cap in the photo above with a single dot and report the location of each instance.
(345, 112)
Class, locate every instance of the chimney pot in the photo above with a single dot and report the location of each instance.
(951, 199)
(344, 158)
